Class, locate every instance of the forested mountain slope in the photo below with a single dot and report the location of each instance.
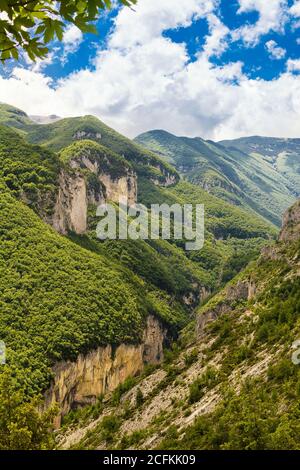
(267, 182)
(230, 385)
(68, 297)
(58, 135)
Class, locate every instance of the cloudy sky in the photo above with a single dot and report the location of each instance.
(211, 68)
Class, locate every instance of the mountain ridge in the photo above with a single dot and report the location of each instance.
(266, 183)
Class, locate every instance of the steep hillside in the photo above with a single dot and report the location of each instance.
(58, 299)
(230, 385)
(282, 154)
(232, 239)
(65, 190)
(14, 117)
(242, 178)
(58, 135)
(82, 317)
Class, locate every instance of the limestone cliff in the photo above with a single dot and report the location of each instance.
(165, 179)
(124, 187)
(70, 211)
(92, 175)
(103, 369)
(195, 296)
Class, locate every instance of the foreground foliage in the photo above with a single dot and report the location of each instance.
(31, 25)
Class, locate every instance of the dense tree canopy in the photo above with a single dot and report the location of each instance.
(30, 25)
(22, 426)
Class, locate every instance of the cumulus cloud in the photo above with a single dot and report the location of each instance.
(295, 9)
(273, 15)
(218, 39)
(293, 65)
(274, 50)
(150, 18)
(142, 80)
(72, 39)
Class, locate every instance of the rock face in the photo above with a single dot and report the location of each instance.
(70, 211)
(243, 290)
(210, 316)
(168, 180)
(85, 182)
(102, 370)
(87, 135)
(124, 187)
(198, 294)
(291, 224)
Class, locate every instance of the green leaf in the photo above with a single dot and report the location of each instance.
(5, 55)
(15, 53)
(29, 20)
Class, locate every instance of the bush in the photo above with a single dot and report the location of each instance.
(139, 398)
(206, 381)
(189, 359)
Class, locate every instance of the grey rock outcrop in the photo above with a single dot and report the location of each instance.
(291, 224)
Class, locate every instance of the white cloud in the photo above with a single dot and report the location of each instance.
(72, 39)
(40, 64)
(72, 36)
(295, 9)
(142, 80)
(295, 25)
(274, 50)
(293, 65)
(273, 15)
(150, 18)
(217, 40)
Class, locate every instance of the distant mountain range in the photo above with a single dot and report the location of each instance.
(255, 172)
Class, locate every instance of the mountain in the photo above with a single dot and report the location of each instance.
(59, 134)
(14, 117)
(82, 317)
(282, 154)
(256, 173)
(231, 382)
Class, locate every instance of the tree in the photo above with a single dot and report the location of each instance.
(22, 426)
(139, 397)
(30, 25)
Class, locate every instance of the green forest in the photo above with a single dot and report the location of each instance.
(62, 295)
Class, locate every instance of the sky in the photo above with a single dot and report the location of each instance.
(218, 69)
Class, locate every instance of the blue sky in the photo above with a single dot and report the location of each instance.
(203, 62)
(257, 60)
